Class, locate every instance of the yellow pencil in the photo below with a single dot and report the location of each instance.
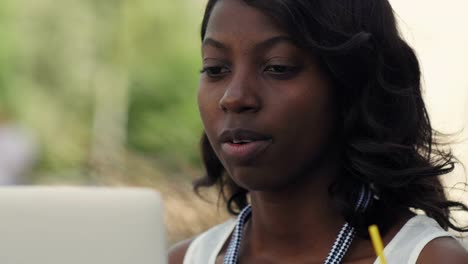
(377, 243)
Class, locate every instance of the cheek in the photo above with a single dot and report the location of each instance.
(308, 110)
(309, 106)
(205, 105)
(209, 111)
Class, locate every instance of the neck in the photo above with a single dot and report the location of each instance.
(297, 220)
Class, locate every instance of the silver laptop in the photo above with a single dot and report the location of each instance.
(60, 225)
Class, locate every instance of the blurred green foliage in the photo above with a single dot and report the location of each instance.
(107, 74)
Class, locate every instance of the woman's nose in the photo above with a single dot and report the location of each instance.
(241, 95)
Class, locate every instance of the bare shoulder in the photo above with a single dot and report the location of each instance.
(443, 250)
(177, 252)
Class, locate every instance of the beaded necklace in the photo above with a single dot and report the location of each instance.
(338, 250)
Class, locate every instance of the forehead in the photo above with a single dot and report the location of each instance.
(235, 20)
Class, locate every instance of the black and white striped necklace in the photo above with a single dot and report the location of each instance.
(338, 250)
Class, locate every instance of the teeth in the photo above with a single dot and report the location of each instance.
(241, 141)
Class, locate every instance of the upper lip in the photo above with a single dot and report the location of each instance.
(229, 135)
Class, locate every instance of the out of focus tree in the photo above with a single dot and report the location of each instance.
(96, 78)
(164, 69)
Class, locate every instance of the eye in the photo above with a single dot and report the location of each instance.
(281, 71)
(277, 68)
(215, 71)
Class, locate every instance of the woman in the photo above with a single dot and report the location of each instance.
(315, 128)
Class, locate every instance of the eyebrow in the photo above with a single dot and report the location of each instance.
(214, 43)
(265, 44)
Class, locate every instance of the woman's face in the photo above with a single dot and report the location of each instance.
(266, 106)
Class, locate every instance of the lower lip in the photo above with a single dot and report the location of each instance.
(245, 152)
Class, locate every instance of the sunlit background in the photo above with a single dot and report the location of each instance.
(104, 93)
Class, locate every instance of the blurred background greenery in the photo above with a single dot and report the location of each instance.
(108, 89)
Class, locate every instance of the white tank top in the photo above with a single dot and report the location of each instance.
(404, 248)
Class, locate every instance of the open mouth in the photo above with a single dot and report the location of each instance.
(242, 136)
(243, 146)
(241, 142)
(244, 151)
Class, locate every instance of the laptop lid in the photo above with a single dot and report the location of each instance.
(58, 225)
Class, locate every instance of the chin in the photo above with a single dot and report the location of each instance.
(253, 180)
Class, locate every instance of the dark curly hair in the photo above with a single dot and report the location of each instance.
(384, 129)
